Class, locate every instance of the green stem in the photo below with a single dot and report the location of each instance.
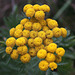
(62, 9)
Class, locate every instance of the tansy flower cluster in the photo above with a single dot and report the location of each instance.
(33, 37)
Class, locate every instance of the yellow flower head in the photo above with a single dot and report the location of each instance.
(37, 41)
(58, 59)
(12, 30)
(37, 48)
(43, 65)
(22, 50)
(30, 12)
(60, 51)
(57, 32)
(8, 50)
(53, 66)
(26, 33)
(32, 52)
(49, 34)
(52, 24)
(42, 22)
(20, 41)
(33, 20)
(45, 8)
(25, 58)
(18, 33)
(14, 55)
(31, 42)
(42, 35)
(10, 42)
(36, 7)
(19, 26)
(39, 15)
(48, 41)
(45, 28)
(23, 21)
(36, 27)
(50, 57)
(26, 7)
(33, 34)
(52, 47)
(47, 20)
(63, 32)
(41, 53)
(28, 25)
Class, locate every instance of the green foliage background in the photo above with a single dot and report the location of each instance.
(15, 67)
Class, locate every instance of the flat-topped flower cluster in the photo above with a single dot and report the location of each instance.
(33, 37)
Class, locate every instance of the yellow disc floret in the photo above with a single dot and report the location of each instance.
(39, 15)
(23, 21)
(45, 28)
(47, 20)
(36, 7)
(53, 66)
(28, 25)
(8, 50)
(48, 41)
(26, 7)
(22, 50)
(42, 35)
(32, 52)
(58, 59)
(30, 12)
(33, 34)
(20, 41)
(52, 47)
(57, 32)
(31, 42)
(60, 51)
(42, 53)
(25, 58)
(37, 48)
(52, 24)
(36, 27)
(12, 30)
(26, 33)
(10, 42)
(63, 32)
(18, 33)
(50, 57)
(43, 65)
(49, 34)
(37, 41)
(42, 22)
(33, 20)
(14, 54)
(19, 26)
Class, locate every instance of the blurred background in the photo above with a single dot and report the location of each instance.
(61, 10)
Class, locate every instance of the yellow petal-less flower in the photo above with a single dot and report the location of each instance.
(41, 53)
(53, 66)
(19, 26)
(32, 52)
(45, 28)
(43, 65)
(25, 58)
(63, 32)
(52, 47)
(60, 51)
(26, 33)
(50, 57)
(30, 12)
(39, 15)
(12, 30)
(10, 42)
(36, 7)
(8, 50)
(26, 7)
(23, 21)
(47, 20)
(37, 41)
